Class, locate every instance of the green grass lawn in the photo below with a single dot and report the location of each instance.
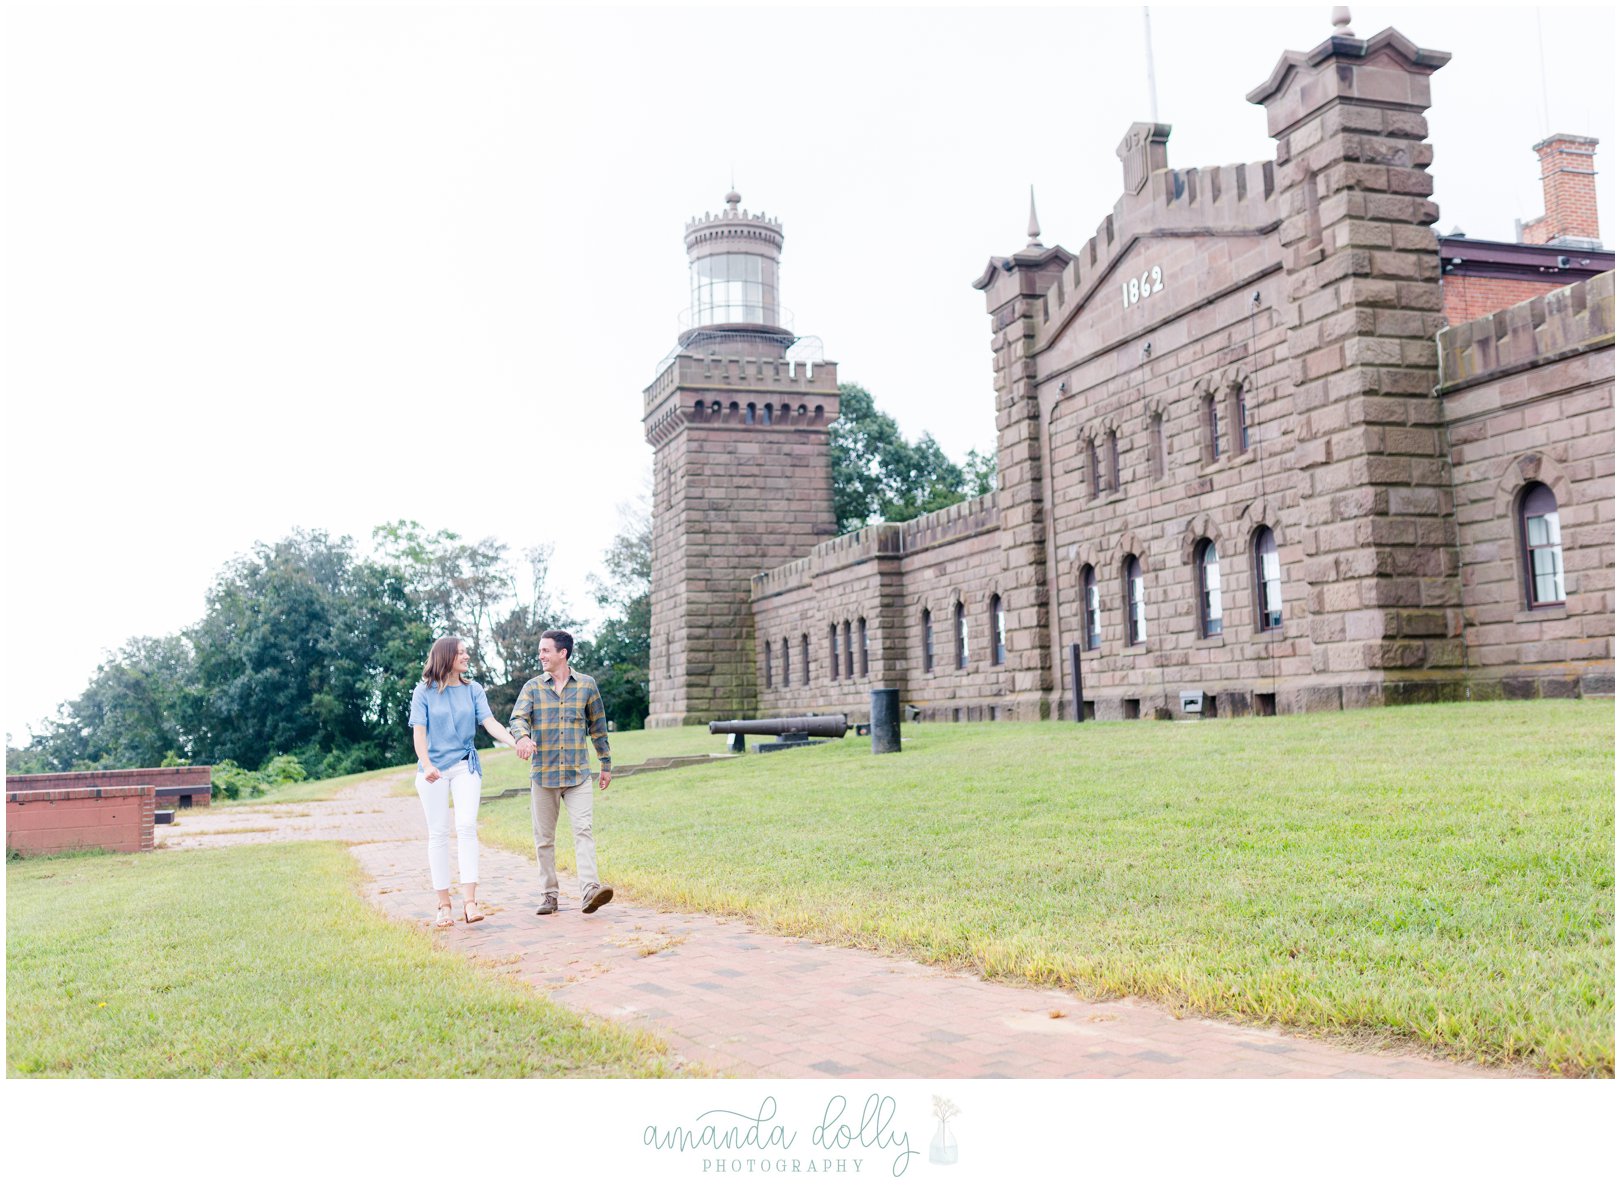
(263, 962)
(1441, 874)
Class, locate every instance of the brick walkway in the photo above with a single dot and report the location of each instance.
(753, 1004)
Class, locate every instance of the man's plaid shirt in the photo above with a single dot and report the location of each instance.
(559, 727)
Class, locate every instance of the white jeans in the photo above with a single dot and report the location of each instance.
(464, 785)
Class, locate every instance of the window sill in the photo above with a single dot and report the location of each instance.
(1208, 642)
(1540, 614)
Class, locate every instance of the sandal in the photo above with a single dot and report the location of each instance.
(443, 919)
(471, 911)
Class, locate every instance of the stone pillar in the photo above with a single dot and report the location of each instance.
(1361, 260)
(1014, 292)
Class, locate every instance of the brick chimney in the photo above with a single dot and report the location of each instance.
(1569, 193)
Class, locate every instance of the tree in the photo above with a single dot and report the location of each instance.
(619, 652)
(879, 476)
(132, 712)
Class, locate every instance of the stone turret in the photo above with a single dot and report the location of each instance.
(742, 479)
(1379, 541)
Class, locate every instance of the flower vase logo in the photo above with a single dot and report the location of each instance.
(943, 1147)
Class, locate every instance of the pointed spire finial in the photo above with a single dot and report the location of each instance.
(1034, 230)
(1341, 18)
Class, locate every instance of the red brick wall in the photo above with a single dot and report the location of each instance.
(1463, 299)
(168, 782)
(47, 821)
(1569, 192)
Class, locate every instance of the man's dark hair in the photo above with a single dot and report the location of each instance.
(562, 640)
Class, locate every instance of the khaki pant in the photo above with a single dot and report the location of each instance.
(543, 805)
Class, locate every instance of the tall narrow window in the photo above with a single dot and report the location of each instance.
(1096, 475)
(804, 658)
(1241, 417)
(1212, 427)
(833, 651)
(1113, 451)
(960, 622)
(1156, 445)
(1090, 628)
(1136, 613)
(998, 632)
(1544, 553)
(768, 663)
(1268, 581)
(861, 630)
(928, 641)
(787, 674)
(849, 652)
(1208, 581)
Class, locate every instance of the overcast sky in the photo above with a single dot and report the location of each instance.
(330, 266)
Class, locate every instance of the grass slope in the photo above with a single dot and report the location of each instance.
(262, 962)
(1443, 874)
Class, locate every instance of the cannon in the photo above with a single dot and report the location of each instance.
(802, 731)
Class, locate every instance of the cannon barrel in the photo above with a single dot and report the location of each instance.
(820, 726)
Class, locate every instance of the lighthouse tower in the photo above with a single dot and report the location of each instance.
(742, 480)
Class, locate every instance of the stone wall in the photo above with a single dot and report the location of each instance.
(1529, 396)
(185, 787)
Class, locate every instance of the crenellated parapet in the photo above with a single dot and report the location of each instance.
(1568, 321)
(882, 541)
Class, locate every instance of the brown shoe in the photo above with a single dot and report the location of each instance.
(548, 905)
(594, 897)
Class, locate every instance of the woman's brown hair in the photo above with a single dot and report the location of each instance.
(441, 661)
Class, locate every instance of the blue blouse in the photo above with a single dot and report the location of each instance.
(451, 713)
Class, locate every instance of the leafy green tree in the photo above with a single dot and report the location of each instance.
(618, 654)
(879, 476)
(132, 712)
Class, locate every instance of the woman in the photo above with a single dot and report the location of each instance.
(446, 708)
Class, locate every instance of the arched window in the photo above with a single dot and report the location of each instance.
(833, 651)
(748, 414)
(1268, 581)
(928, 641)
(1113, 444)
(1241, 417)
(861, 630)
(1207, 579)
(1095, 474)
(1210, 412)
(768, 663)
(960, 621)
(849, 652)
(765, 414)
(1091, 630)
(1543, 553)
(1156, 446)
(787, 673)
(804, 658)
(998, 632)
(1136, 613)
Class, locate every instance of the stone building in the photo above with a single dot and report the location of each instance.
(1244, 466)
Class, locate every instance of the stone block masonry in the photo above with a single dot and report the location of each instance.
(1239, 452)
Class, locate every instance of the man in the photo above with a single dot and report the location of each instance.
(553, 716)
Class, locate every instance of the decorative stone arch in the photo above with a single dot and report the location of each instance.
(1130, 542)
(1253, 515)
(1088, 555)
(1530, 468)
(1198, 528)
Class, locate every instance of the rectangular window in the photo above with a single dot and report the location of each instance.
(768, 662)
(833, 651)
(849, 652)
(1156, 446)
(861, 626)
(1547, 563)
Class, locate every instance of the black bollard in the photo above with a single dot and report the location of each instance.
(886, 721)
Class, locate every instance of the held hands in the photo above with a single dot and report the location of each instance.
(525, 748)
